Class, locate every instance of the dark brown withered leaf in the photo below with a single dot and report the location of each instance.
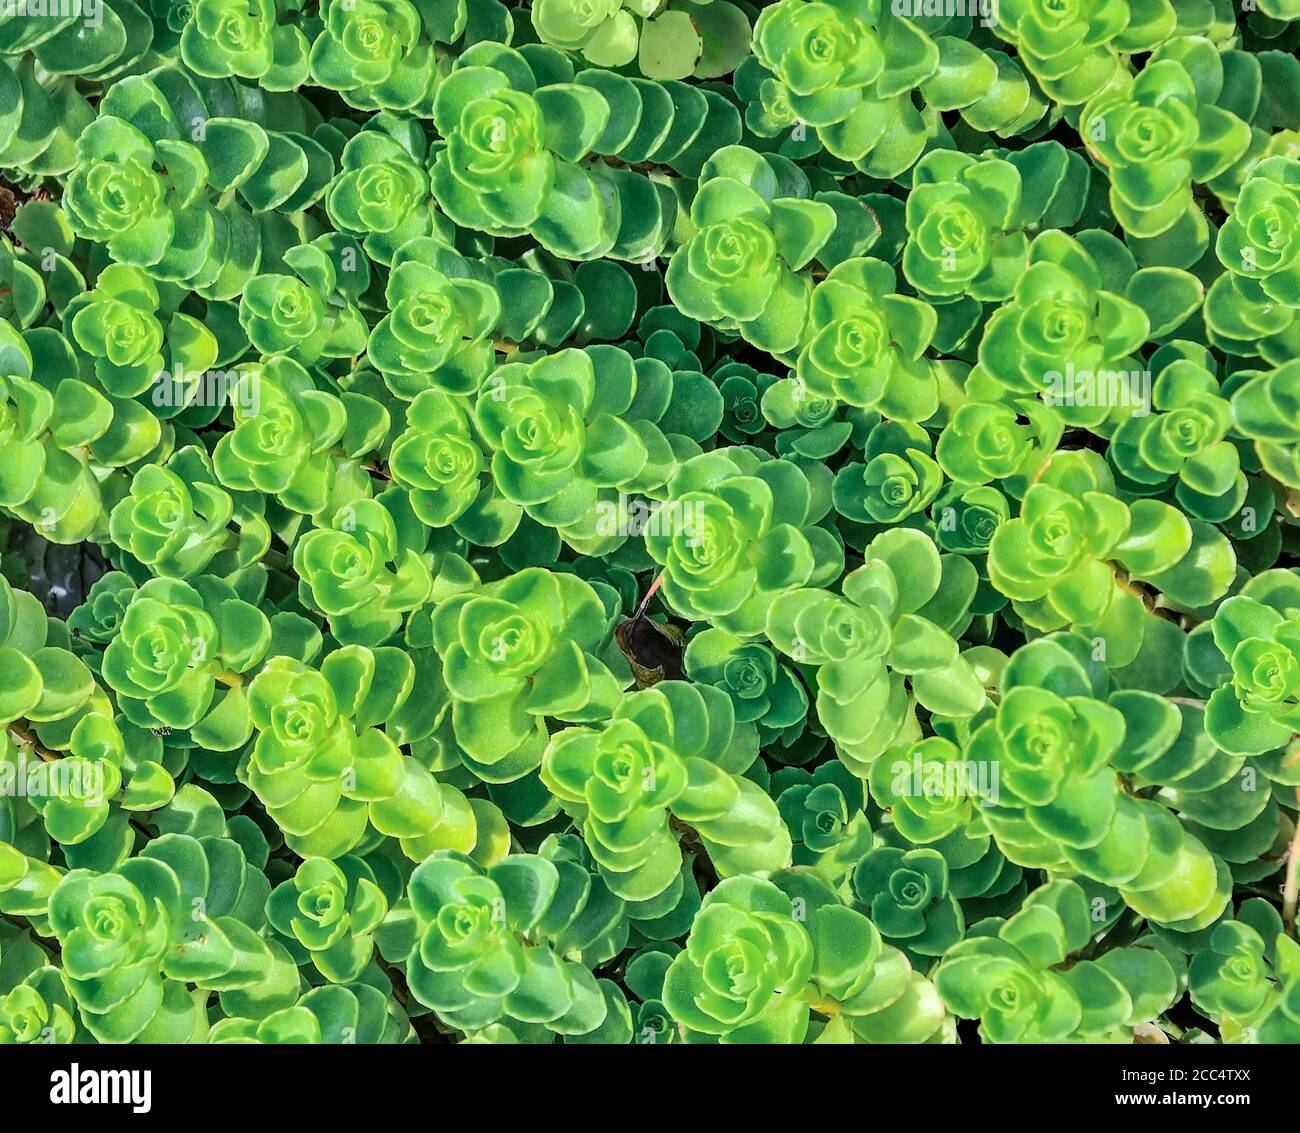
(9, 202)
(654, 650)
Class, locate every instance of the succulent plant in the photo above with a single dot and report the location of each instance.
(633, 521)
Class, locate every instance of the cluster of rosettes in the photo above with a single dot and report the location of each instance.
(628, 521)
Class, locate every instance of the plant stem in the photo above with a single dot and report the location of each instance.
(1124, 931)
(1292, 886)
(654, 586)
(24, 736)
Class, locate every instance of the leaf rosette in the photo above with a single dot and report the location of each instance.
(307, 318)
(46, 477)
(743, 966)
(740, 536)
(480, 948)
(1186, 438)
(132, 938)
(872, 638)
(823, 810)
(1024, 982)
(284, 430)
(1052, 754)
(162, 660)
(905, 892)
(927, 789)
(173, 526)
(966, 518)
(866, 344)
(381, 193)
(898, 480)
(496, 171)
(324, 770)
(1260, 708)
(244, 38)
(672, 748)
(145, 200)
(331, 909)
(762, 689)
(515, 652)
(1260, 241)
(563, 444)
(99, 618)
(846, 69)
(1155, 136)
(38, 1010)
(964, 228)
(1063, 331)
(437, 459)
(379, 53)
(344, 573)
(1073, 47)
(984, 441)
(1057, 560)
(740, 268)
(174, 644)
(435, 331)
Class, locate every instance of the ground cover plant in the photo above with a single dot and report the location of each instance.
(660, 521)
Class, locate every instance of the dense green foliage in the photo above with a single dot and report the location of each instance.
(708, 521)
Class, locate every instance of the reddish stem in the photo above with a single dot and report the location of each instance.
(654, 586)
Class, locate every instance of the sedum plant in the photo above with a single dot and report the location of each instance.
(845, 69)
(1156, 134)
(669, 753)
(740, 269)
(222, 39)
(515, 653)
(752, 972)
(866, 350)
(133, 947)
(736, 533)
(491, 948)
(331, 910)
(667, 41)
(434, 333)
(689, 521)
(1258, 244)
(870, 641)
(1013, 976)
(1076, 49)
